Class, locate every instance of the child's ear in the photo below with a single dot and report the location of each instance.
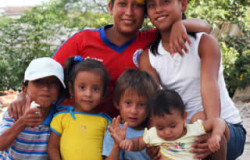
(184, 5)
(110, 6)
(116, 105)
(24, 89)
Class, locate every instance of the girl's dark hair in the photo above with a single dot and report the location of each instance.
(73, 66)
(154, 45)
(164, 101)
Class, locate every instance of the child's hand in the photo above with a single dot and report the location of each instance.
(214, 143)
(126, 144)
(116, 132)
(32, 117)
(178, 37)
(18, 106)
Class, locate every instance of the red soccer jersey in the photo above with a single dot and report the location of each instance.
(94, 44)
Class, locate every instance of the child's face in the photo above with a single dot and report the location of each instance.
(43, 91)
(171, 126)
(87, 91)
(163, 13)
(133, 109)
(128, 16)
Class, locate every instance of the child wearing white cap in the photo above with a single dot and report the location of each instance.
(27, 138)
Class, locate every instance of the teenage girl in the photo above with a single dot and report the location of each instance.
(78, 133)
(197, 77)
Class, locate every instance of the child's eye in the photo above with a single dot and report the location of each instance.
(81, 87)
(127, 102)
(141, 104)
(172, 126)
(166, 1)
(96, 89)
(160, 128)
(122, 4)
(151, 5)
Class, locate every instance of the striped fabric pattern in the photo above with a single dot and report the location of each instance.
(31, 143)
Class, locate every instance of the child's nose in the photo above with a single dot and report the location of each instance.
(129, 10)
(88, 92)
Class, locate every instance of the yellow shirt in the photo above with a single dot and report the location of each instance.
(179, 148)
(81, 134)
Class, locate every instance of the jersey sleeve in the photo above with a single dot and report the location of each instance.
(6, 123)
(56, 125)
(68, 49)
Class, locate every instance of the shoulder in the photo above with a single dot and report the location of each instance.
(208, 44)
(149, 34)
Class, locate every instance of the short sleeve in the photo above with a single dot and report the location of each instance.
(108, 143)
(6, 123)
(56, 125)
(199, 127)
(146, 136)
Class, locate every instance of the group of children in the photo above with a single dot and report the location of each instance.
(81, 132)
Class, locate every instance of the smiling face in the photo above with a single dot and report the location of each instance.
(133, 109)
(87, 91)
(43, 91)
(171, 126)
(163, 13)
(128, 16)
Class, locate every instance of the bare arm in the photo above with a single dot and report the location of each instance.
(54, 146)
(144, 65)
(179, 33)
(210, 62)
(118, 135)
(17, 107)
(196, 25)
(30, 118)
(219, 129)
(133, 144)
(115, 153)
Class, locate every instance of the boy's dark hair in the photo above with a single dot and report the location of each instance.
(136, 81)
(163, 101)
(73, 66)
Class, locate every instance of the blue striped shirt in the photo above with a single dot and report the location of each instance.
(31, 143)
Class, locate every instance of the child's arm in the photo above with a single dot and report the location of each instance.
(118, 135)
(133, 144)
(17, 107)
(179, 35)
(144, 65)
(54, 146)
(32, 117)
(219, 128)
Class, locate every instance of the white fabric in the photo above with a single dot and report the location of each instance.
(44, 67)
(182, 74)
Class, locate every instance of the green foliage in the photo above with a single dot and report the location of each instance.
(40, 31)
(236, 48)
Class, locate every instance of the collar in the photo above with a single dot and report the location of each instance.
(111, 45)
(50, 115)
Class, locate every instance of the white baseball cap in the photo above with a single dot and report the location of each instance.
(44, 67)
